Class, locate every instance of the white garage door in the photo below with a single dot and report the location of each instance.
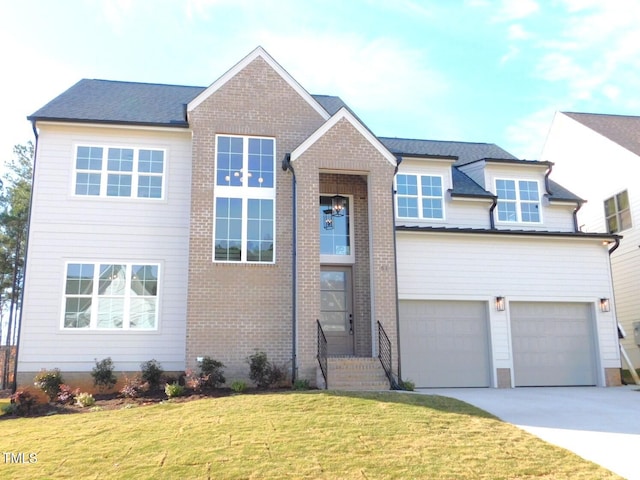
(445, 344)
(553, 344)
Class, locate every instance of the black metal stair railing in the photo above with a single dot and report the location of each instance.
(384, 355)
(322, 354)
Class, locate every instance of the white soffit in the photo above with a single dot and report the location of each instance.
(344, 113)
(258, 52)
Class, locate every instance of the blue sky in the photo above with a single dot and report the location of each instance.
(474, 70)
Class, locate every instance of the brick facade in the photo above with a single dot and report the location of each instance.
(344, 149)
(235, 309)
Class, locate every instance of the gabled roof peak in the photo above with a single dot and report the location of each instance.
(258, 52)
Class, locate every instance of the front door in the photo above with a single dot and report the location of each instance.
(336, 309)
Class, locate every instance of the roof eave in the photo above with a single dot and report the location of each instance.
(33, 118)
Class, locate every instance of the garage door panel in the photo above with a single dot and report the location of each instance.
(445, 344)
(553, 344)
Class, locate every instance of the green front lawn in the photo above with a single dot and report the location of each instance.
(286, 435)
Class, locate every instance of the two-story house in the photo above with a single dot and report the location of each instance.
(174, 222)
(600, 155)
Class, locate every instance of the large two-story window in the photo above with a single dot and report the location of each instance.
(419, 196)
(244, 199)
(119, 172)
(618, 212)
(518, 201)
(111, 296)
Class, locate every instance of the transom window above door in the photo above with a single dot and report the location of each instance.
(244, 227)
(336, 230)
(518, 201)
(419, 196)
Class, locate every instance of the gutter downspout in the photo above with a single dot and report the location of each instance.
(623, 352)
(26, 251)
(492, 221)
(286, 165)
(395, 255)
(575, 218)
(546, 179)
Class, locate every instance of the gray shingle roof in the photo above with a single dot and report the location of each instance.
(622, 129)
(106, 101)
(466, 152)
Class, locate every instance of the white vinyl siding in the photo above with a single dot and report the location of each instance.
(68, 228)
(573, 148)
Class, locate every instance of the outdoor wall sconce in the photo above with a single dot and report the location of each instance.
(327, 219)
(500, 304)
(338, 205)
(604, 305)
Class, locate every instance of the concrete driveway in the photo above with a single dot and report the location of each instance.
(599, 424)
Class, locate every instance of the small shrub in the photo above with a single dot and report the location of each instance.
(300, 384)
(194, 381)
(152, 373)
(49, 382)
(173, 390)
(407, 385)
(22, 402)
(133, 387)
(10, 409)
(277, 375)
(212, 370)
(263, 373)
(102, 374)
(238, 386)
(66, 395)
(85, 399)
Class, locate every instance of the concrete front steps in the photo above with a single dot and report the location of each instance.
(356, 373)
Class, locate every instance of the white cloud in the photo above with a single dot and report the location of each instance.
(511, 54)
(516, 9)
(517, 32)
(116, 13)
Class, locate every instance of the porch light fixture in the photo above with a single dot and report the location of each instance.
(500, 304)
(327, 219)
(604, 305)
(338, 205)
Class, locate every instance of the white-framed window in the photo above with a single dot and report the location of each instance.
(518, 201)
(419, 196)
(617, 212)
(111, 296)
(119, 172)
(244, 199)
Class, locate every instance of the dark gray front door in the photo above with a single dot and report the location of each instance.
(336, 309)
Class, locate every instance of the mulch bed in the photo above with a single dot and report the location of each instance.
(115, 401)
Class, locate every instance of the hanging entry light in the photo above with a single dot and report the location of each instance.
(327, 219)
(338, 205)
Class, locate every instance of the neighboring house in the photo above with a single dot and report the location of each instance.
(600, 155)
(176, 222)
